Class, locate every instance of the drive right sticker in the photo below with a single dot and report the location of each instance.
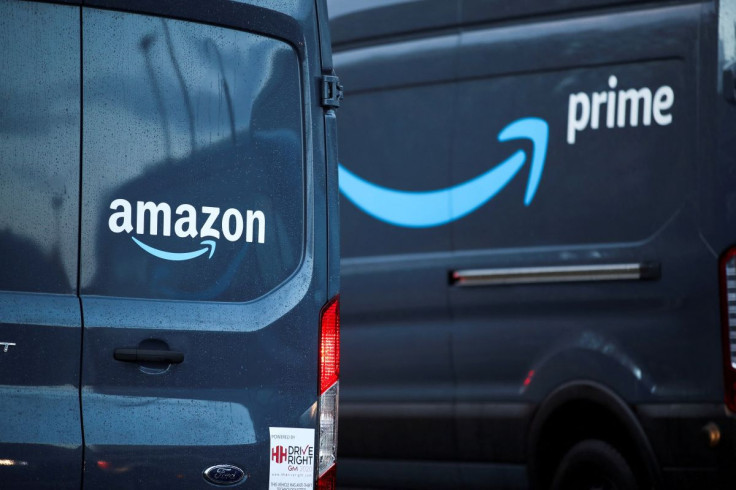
(292, 458)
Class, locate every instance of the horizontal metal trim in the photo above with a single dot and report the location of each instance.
(396, 410)
(570, 273)
(438, 410)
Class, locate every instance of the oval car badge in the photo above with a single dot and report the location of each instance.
(224, 474)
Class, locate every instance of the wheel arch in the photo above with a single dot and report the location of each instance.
(585, 409)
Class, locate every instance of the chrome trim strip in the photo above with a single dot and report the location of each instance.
(571, 273)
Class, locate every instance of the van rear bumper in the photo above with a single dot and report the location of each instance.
(695, 444)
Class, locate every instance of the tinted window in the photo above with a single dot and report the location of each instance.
(193, 166)
(39, 147)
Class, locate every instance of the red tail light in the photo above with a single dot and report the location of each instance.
(327, 481)
(329, 386)
(329, 345)
(728, 321)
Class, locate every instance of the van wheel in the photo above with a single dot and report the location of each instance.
(594, 465)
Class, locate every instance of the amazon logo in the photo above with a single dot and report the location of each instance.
(150, 216)
(424, 209)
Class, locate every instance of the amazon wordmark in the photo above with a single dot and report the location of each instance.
(231, 223)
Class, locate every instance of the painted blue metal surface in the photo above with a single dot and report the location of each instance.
(211, 135)
(430, 85)
(162, 188)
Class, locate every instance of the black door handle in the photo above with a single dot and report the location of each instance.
(127, 354)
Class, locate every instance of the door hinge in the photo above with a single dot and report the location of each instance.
(332, 92)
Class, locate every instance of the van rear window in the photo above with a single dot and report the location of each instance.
(39, 147)
(193, 182)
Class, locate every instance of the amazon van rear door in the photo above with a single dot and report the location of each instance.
(208, 283)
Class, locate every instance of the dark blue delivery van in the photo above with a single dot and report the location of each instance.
(169, 263)
(538, 215)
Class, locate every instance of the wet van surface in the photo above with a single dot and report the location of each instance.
(532, 242)
(168, 181)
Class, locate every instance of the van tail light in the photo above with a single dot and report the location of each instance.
(329, 387)
(327, 481)
(329, 345)
(728, 320)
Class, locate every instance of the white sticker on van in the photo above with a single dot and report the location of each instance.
(151, 216)
(292, 458)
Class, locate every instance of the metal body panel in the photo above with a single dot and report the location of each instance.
(173, 109)
(211, 117)
(640, 189)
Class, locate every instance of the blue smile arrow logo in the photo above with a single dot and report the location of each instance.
(434, 208)
(179, 256)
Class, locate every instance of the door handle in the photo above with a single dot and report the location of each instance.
(127, 354)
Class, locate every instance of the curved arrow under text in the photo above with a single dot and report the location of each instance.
(179, 256)
(425, 209)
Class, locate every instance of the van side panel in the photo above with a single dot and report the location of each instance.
(608, 194)
(573, 145)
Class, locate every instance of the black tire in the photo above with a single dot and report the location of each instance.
(594, 465)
